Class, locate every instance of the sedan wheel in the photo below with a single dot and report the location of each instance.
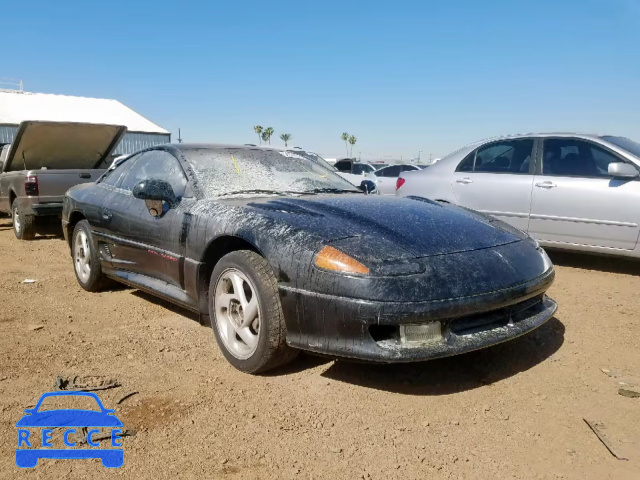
(86, 262)
(246, 314)
(82, 256)
(238, 313)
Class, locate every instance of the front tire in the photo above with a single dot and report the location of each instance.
(86, 262)
(246, 313)
(24, 226)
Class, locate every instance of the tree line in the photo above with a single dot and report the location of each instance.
(265, 134)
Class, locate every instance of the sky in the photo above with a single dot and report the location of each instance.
(402, 76)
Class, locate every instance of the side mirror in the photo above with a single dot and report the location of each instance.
(154, 192)
(367, 186)
(622, 170)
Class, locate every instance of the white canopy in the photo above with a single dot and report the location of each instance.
(16, 107)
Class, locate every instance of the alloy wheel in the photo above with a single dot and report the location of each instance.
(237, 313)
(82, 256)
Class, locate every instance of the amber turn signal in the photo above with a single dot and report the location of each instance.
(331, 258)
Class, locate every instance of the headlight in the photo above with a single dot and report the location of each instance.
(330, 258)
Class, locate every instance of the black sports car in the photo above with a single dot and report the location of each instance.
(284, 255)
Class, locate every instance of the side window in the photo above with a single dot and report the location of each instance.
(343, 166)
(115, 176)
(512, 156)
(392, 171)
(509, 156)
(409, 168)
(159, 165)
(602, 159)
(575, 158)
(466, 165)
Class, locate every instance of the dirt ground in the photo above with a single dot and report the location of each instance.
(512, 411)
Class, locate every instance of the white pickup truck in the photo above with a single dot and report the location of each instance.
(44, 161)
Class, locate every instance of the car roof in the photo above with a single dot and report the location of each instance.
(224, 146)
(515, 136)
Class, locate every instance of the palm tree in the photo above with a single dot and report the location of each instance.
(352, 142)
(345, 139)
(265, 136)
(285, 137)
(258, 130)
(269, 132)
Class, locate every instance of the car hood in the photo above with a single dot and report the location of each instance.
(69, 418)
(62, 145)
(373, 227)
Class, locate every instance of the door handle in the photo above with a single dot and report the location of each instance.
(546, 184)
(464, 180)
(85, 175)
(106, 215)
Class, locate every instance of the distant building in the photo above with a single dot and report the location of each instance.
(17, 106)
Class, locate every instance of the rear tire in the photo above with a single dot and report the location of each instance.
(246, 314)
(24, 226)
(86, 260)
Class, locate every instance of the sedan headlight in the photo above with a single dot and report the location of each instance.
(330, 258)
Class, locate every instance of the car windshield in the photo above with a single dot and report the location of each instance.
(360, 168)
(68, 402)
(245, 171)
(625, 143)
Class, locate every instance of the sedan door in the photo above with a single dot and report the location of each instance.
(496, 179)
(145, 237)
(576, 201)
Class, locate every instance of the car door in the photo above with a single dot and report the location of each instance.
(496, 179)
(139, 241)
(576, 201)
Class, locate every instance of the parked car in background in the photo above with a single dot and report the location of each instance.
(284, 255)
(385, 178)
(569, 191)
(352, 170)
(44, 161)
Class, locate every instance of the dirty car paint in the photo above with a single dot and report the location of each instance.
(428, 261)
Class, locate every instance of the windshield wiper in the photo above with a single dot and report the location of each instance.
(258, 191)
(332, 190)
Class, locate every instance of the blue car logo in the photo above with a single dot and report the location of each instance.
(70, 420)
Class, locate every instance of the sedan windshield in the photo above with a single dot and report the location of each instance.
(624, 143)
(257, 172)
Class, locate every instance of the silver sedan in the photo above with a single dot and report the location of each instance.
(568, 191)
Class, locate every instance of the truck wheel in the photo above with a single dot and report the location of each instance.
(24, 226)
(246, 314)
(86, 263)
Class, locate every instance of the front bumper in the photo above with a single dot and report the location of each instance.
(368, 330)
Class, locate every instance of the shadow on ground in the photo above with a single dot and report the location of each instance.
(602, 263)
(47, 231)
(459, 373)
